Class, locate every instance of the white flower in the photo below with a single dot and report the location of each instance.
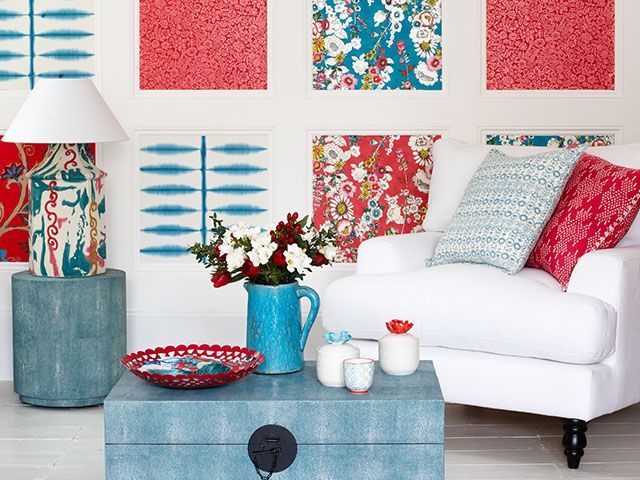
(235, 258)
(262, 249)
(355, 151)
(420, 142)
(360, 65)
(394, 215)
(297, 260)
(359, 173)
(310, 235)
(319, 5)
(333, 45)
(425, 76)
(553, 143)
(425, 41)
(225, 246)
(262, 255)
(329, 251)
(356, 43)
(421, 34)
(379, 17)
(421, 181)
(243, 231)
(397, 15)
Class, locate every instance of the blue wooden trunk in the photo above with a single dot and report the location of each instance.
(394, 432)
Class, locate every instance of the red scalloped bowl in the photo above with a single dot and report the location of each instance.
(241, 361)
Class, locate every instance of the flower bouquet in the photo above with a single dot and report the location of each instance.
(271, 261)
(278, 256)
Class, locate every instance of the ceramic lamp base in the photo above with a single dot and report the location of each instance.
(67, 228)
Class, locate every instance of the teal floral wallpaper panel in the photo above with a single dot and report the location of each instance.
(557, 141)
(377, 44)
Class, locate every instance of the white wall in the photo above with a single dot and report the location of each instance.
(181, 306)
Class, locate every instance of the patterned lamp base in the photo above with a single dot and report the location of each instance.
(67, 228)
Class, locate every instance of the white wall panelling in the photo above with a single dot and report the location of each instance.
(169, 305)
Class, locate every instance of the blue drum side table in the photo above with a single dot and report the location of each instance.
(69, 335)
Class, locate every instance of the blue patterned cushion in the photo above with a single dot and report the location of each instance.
(504, 209)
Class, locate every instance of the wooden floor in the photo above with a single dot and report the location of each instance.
(38, 443)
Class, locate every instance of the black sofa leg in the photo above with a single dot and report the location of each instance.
(574, 440)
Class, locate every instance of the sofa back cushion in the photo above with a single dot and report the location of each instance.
(454, 164)
(504, 209)
(596, 210)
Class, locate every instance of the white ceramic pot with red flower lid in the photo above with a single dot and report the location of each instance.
(399, 351)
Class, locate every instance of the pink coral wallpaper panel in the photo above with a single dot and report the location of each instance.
(550, 44)
(203, 44)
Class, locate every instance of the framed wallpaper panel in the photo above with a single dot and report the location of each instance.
(547, 45)
(201, 46)
(558, 140)
(185, 177)
(45, 39)
(366, 186)
(377, 45)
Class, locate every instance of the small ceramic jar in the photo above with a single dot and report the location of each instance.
(331, 356)
(399, 351)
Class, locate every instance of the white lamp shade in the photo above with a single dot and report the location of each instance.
(64, 111)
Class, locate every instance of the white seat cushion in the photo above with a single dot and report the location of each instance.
(476, 307)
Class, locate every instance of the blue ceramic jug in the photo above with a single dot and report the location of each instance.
(274, 325)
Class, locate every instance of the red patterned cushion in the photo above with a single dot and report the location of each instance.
(596, 210)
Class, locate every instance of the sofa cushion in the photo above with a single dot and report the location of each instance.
(476, 307)
(504, 209)
(454, 164)
(596, 210)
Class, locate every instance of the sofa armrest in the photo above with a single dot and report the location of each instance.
(396, 253)
(613, 276)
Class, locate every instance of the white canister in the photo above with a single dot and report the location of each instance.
(331, 357)
(399, 351)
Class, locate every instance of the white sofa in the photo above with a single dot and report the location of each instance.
(513, 342)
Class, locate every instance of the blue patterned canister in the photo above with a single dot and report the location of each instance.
(358, 374)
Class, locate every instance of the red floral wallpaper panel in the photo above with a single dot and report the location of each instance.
(203, 44)
(550, 44)
(15, 162)
(370, 185)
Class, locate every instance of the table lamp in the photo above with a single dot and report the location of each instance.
(67, 228)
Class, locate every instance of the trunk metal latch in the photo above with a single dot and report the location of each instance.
(272, 449)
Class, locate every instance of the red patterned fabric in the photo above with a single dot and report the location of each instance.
(203, 44)
(15, 162)
(550, 45)
(366, 186)
(596, 210)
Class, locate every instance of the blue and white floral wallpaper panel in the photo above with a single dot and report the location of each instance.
(564, 140)
(377, 45)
